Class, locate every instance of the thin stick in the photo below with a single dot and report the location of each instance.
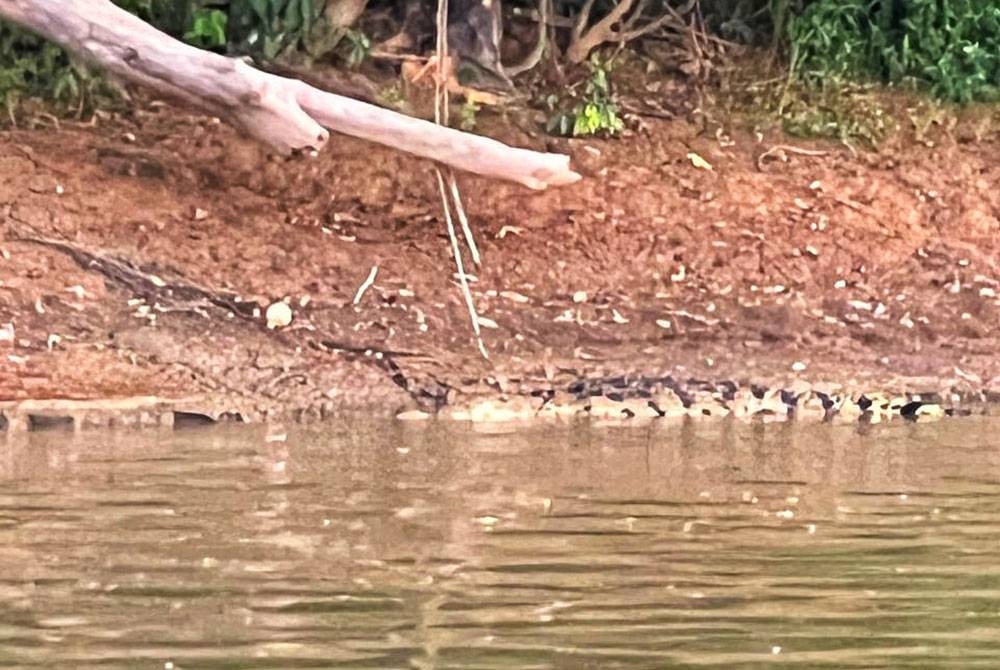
(457, 253)
(366, 284)
(470, 240)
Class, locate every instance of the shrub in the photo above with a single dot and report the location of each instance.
(949, 47)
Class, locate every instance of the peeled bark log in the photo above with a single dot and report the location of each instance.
(287, 114)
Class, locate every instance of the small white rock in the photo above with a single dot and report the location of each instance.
(515, 296)
(580, 296)
(798, 366)
(278, 315)
(413, 415)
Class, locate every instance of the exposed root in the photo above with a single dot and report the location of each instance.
(535, 57)
(625, 22)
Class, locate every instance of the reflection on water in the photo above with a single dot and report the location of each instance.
(387, 545)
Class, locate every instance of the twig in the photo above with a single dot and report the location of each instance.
(462, 278)
(780, 150)
(388, 55)
(366, 284)
(462, 218)
(550, 20)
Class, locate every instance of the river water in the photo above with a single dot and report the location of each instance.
(387, 545)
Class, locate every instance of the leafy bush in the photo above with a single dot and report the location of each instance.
(949, 47)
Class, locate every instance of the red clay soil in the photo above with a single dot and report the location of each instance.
(140, 254)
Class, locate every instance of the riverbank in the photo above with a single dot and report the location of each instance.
(140, 256)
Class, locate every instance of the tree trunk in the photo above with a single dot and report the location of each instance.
(284, 113)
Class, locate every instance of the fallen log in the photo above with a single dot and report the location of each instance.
(286, 114)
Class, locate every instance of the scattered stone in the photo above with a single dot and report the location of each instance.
(486, 322)
(278, 315)
(413, 415)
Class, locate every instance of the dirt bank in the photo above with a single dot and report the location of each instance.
(140, 254)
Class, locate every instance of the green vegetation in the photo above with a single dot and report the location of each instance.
(950, 48)
(595, 113)
(269, 29)
(208, 29)
(847, 112)
(833, 51)
(30, 68)
(467, 115)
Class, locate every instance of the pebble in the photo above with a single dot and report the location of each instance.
(278, 315)
(413, 415)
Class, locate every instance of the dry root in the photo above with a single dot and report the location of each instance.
(630, 19)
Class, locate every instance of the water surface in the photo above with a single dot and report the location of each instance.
(387, 545)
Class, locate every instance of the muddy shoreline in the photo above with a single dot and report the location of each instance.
(139, 258)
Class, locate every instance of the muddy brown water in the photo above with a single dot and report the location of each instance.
(384, 545)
